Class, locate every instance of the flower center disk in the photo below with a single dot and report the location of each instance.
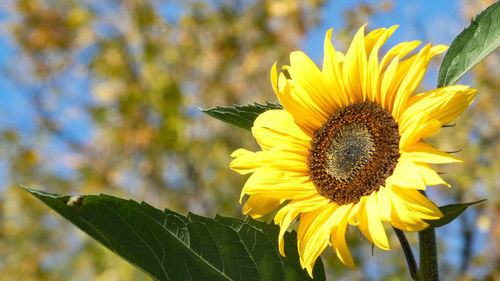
(354, 152)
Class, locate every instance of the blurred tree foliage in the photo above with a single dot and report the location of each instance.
(114, 87)
(113, 90)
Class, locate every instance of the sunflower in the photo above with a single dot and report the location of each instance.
(347, 149)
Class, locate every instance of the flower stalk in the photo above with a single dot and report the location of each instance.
(428, 254)
(410, 259)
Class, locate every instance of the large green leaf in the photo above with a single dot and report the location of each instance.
(241, 116)
(471, 46)
(169, 246)
(450, 212)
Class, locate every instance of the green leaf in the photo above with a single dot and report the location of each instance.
(471, 46)
(450, 212)
(241, 116)
(170, 246)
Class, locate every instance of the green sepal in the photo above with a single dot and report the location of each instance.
(241, 116)
(451, 212)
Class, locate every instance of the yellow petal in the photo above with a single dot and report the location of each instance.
(245, 161)
(309, 269)
(429, 111)
(317, 235)
(402, 217)
(384, 204)
(274, 79)
(275, 127)
(444, 104)
(311, 81)
(340, 59)
(414, 131)
(338, 236)
(354, 212)
(438, 49)
(375, 229)
(417, 202)
(373, 72)
(288, 213)
(423, 152)
(257, 206)
(387, 83)
(332, 71)
(406, 175)
(370, 224)
(286, 157)
(429, 175)
(400, 50)
(355, 67)
(275, 183)
(411, 77)
(444, 91)
(401, 73)
(306, 223)
(306, 114)
(372, 38)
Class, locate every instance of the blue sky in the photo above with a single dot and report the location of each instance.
(437, 22)
(433, 21)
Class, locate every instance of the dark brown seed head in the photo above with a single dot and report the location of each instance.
(354, 152)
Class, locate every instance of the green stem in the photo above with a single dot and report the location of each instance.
(410, 259)
(428, 254)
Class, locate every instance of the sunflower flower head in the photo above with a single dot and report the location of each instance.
(347, 148)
